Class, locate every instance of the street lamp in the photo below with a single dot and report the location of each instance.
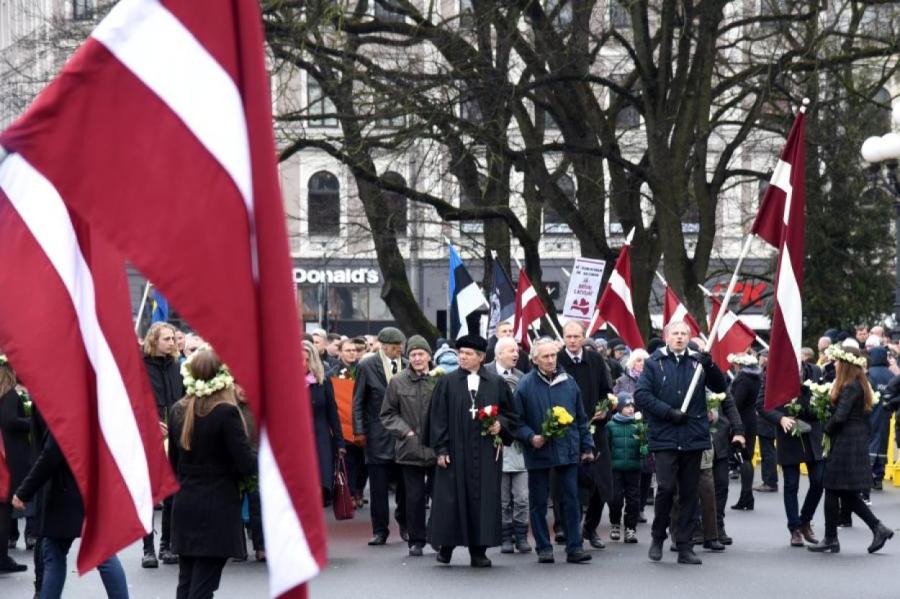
(885, 150)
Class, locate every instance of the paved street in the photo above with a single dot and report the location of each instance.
(759, 565)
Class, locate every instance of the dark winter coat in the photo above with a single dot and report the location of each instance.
(206, 510)
(744, 390)
(60, 513)
(661, 389)
(879, 373)
(727, 426)
(793, 450)
(465, 509)
(534, 397)
(405, 409)
(14, 428)
(624, 444)
(595, 382)
(166, 381)
(847, 465)
(328, 429)
(368, 395)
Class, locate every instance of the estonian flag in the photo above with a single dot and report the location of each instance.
(503, 298)
(160, 308)
(465, 296)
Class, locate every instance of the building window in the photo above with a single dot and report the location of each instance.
(82, 10)
(466, 14)
(615, 225)
(318, 105)
(553, 222)
(628, 116)
(877, 20)
(619, 15)
(563, 18)
(396, 204)
(472, 227)
(385, 10)
(323, 206)
(468, 106)
(391, 122)
(690, 223)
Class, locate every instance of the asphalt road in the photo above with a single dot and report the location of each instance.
(759, 565)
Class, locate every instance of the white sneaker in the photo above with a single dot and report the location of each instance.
(630, 536)
(614, 532)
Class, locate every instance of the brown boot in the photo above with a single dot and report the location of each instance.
(796, 538)
(806, 531)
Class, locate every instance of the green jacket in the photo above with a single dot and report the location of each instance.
(624, 445)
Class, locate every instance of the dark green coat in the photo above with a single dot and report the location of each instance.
(624, 445)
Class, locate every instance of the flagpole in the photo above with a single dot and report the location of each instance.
(709, 294)
(549, 320)
(140, 314)
(714, 331)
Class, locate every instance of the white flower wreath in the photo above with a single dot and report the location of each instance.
(833, 352)
(222, 379)
(743, 359)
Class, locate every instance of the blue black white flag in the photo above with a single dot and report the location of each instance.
(465, 296)
(503, 298)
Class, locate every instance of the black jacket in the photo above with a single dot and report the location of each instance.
(744, 390)
(60, 511)
(15, 428)
(206, 510)
(661, 389)
(368, 395)
(728, 425)
(166, 381)
(793, 450)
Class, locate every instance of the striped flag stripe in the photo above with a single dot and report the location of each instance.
(43, 211)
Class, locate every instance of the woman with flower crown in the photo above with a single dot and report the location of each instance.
(209, 447)
(847, 470)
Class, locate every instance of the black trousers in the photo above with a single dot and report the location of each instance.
(357, 471)
(720, 480)
(255, 524)
(768, 465)
(198, 577)
(416, 481)
(746, 470)
(165, 533)
(627, 492)
(5, 525)
(851, 500)
(380, 477)
(676, 470)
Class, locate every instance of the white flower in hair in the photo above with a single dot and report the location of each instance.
(838, 354)
(743, 359)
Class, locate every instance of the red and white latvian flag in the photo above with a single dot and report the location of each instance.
(529, 310)
(615, 306)
(158, 130)
(733, 336)
(674, 310)
(780, 223)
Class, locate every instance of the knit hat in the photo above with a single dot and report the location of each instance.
(391, 335)
(417, 342)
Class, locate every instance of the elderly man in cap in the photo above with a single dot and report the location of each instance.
(373, 375)
(466, 505)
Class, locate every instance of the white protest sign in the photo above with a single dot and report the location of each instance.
(584, 287)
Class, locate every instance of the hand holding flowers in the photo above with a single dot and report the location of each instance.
(557, 422)
(491, 426)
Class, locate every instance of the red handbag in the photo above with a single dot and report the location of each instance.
(342, 500)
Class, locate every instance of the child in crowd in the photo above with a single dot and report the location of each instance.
(627, 445)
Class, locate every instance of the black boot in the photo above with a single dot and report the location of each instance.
(827, 544)
(8, 564)
(655, 552)
(880, 535)
(521, 532)
(444, 555)
(686, 555)
(506, 536)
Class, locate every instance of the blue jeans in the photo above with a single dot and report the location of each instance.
(54, 552)
(797, 517)
(538, 493)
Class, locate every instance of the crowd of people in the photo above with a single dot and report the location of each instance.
(480, 445)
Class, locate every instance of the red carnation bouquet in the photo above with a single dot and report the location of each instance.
(488, 416)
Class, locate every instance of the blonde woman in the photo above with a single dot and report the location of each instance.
(210, 452)
(325, 418)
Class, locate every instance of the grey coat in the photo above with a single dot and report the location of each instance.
(368, 395)
(405, 409)
(513, 456)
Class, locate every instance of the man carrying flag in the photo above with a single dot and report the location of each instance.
(74, 207)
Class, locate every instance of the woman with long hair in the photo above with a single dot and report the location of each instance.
(847, 468)
(325, 418)
(209, 447)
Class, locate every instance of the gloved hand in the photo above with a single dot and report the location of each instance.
(705, 359)
(677, 416)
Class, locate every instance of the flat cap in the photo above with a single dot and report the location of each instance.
(391, 335)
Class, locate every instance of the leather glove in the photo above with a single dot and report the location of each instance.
(705, 359)
(677, 416)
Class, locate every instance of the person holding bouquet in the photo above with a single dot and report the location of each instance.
(465, 508)
(677, 438)
(555, 432)
(847, 471)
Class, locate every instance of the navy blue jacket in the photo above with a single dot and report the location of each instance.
(879, 374)
(662, 387)
(534, 396)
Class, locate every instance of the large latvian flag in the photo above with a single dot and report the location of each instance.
(158, 129)
(733, 336)
(674, 310)
(465, 296)
(780, 223)
(615, 306)
(529, 310)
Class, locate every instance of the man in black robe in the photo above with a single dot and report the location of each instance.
(466, 499)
